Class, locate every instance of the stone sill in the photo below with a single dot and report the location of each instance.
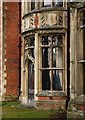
(51, 93)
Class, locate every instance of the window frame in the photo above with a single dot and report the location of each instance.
(51, 69)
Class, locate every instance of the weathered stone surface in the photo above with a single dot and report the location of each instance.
(80, 100)
(51, 93)
(50, 104)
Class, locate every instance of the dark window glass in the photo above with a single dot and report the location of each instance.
(45, 57)
(31, 80)
(32, 4)
(58, 3)
(31, 41)
(45, 80)
(56, 85)
(45, 40)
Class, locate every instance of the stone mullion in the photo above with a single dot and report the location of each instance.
(36, 66)
(40, 66)
(51, 71)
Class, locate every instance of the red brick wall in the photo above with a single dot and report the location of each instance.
(11, 33)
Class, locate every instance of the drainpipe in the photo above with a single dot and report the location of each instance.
(19, 47)
(68, 55)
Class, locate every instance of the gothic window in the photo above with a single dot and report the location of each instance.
(52, 62)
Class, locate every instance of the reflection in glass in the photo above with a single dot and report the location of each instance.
(57, 40)
(45, 80)
(47, 3)
(45, 57)
(57, 57)
(56, 81)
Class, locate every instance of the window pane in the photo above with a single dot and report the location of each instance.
(58, 2)
(57, 80)
(57, 57)
(45, 80)
(57, 40)
(45, 40)
(31, 41)
(31, 79)
(45, 57)
(57, 51)
(47, 2)
(31, 73)
(32, 4)
(84, 17)
(31, 46)
(31, 52)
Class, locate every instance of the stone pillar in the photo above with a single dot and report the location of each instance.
(73, 53)
(24, 75)
(36, 66)
(22, 71)
(24, 85)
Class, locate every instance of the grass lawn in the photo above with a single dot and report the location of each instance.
(13, 110)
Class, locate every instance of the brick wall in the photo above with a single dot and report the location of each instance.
(0, 44)
(11, 41)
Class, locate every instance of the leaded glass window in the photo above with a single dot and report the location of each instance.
(52, 62)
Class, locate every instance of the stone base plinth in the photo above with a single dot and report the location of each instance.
(80, 103)
(51, 100)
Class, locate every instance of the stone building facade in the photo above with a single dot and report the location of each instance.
(44, 51)
(45, 68)
(77, 54)
(52, 58)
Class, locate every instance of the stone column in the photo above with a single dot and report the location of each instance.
(24, 77)
(36, 66)
(72, 53)
(22, 68)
